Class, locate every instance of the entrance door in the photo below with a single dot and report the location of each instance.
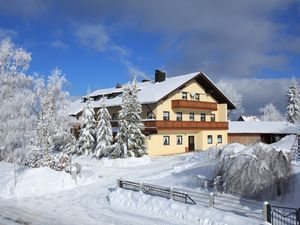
(191, 143)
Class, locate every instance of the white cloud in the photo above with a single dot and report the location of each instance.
(93, 36)
(7, 33)
(59, 44)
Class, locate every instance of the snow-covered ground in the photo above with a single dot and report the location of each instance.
(45, 196)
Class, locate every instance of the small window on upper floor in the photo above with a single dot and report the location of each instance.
(166, 115)
(202, 117)
(114, 116)
(150, 115)
(179, 116)
(212, 117)
(197, 97)
(192, 116)
(184, 95)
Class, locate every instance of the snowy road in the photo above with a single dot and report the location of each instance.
(87, 204)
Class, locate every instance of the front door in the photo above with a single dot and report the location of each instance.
(191, 143)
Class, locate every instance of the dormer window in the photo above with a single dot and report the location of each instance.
(184, 95)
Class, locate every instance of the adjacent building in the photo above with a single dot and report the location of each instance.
(180, 114)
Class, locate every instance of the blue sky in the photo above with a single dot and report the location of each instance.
(99, 43)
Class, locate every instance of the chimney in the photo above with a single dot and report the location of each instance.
(159, 76)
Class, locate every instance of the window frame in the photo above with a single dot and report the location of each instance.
(166, 138)
(212, 117)
(219, 136)
(197, 97)
(180, 116)
(184, 93)
(209, 139)
(150, 115)
(180, 138)
(193, 116)
(166, 118)
(202, 119)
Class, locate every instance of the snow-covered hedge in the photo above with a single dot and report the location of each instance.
(259, 171)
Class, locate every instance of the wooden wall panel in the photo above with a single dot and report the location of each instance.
(245, 139)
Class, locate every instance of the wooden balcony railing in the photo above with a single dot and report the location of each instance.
(198, 105)
(185, 125)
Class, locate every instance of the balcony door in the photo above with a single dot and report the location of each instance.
(191, 143)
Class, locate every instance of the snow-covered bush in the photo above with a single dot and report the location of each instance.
(259, 171)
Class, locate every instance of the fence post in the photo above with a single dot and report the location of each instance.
(267, 212)
(211, 199)
(171, 193)
(119, 183)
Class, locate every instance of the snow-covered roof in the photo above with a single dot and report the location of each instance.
(150, 92)
(263, 127)
(248, 118)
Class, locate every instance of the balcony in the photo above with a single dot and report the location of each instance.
(196, 105)
(185, 125)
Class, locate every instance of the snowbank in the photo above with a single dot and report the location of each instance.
(33, 181)
(175, 212)
(286, 143)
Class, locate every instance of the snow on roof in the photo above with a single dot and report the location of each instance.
(248, 118)
(150, 92)
(263, 127)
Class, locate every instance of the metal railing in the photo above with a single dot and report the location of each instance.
(243, 207)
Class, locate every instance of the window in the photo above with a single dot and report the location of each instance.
(114, 116)
(219, 139)
(166, 115)
(150, 115)
(179, 140)
(202, 117)
(209, 139)
(166, 140)
(197, 97)
(192, 116)
(212, 117)
(184, 95)
(179, 116)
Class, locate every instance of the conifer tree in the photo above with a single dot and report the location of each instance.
(104, 133)
(131, 141)
(293, 107)
(86, 141)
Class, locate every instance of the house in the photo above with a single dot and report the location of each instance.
(180, 114)
(252, 132)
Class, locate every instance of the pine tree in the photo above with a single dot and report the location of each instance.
(104, 132)
(293, 107)
(131, 141)
(270, 113)
(86, 141)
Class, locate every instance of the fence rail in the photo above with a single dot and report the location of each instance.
(243, 207)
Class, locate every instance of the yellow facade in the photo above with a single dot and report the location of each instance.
(155, 143)
(202, 138)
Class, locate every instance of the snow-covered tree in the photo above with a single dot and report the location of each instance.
(87, 140)
(17, 115)
(130, 139)
(232, 94)
(293, 106)
(259, 171)
(104, 133)
(270, 113)
(53, 126)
